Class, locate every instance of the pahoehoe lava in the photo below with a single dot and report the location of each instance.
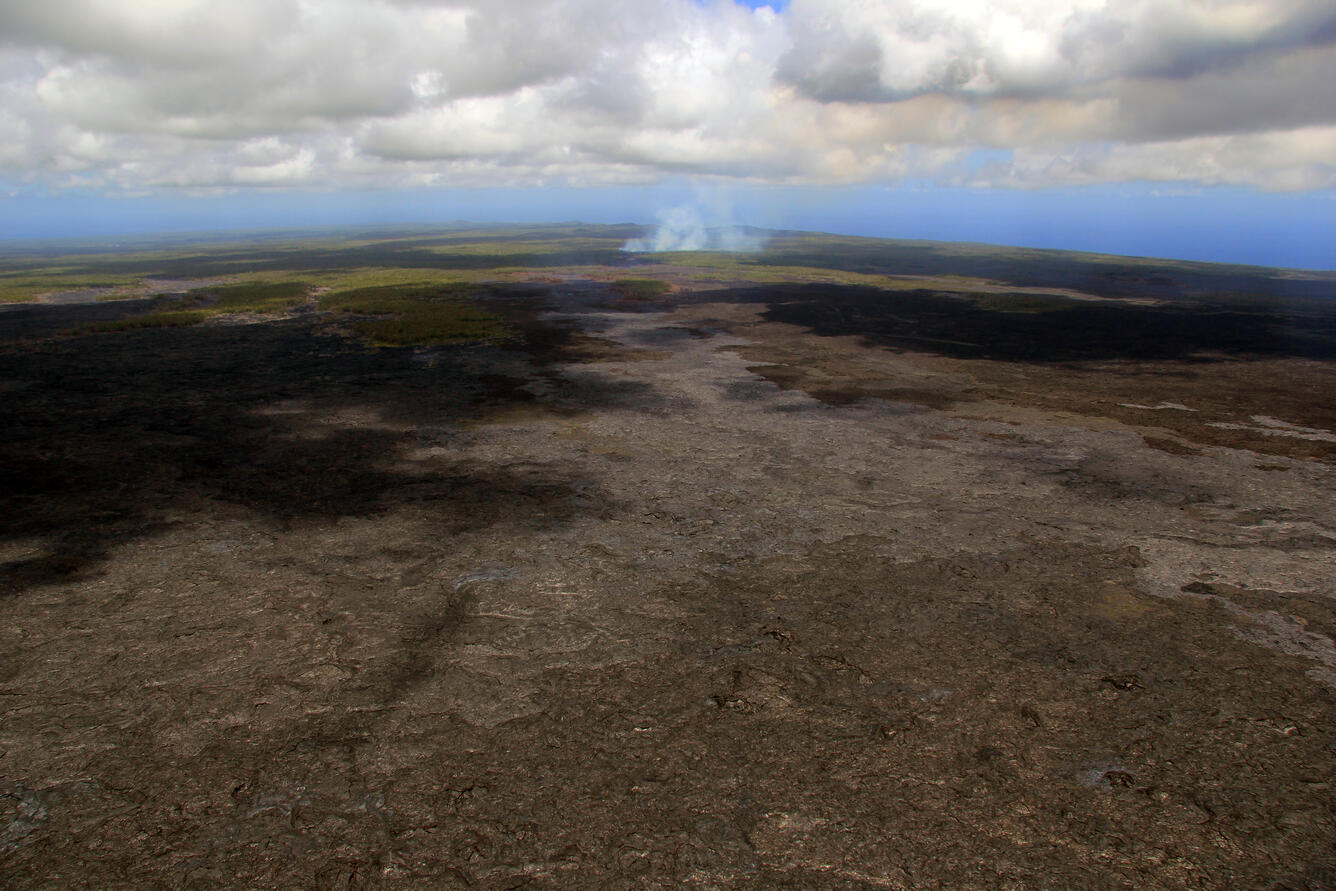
(1008, 573)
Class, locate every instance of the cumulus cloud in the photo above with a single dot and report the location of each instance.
(861, 51)
(134, 94)
(1288, 160)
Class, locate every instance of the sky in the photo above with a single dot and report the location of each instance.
(1202, 129)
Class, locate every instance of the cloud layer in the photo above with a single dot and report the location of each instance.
(133, 95)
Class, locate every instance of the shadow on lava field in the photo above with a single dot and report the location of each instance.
(1187, 375)
(106, 432)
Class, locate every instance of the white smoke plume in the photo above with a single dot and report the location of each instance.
(689, 227)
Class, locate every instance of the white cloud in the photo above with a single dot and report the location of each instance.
(868, 51)
(129, 94)
(1282, 160)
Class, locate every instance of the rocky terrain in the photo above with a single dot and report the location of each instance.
(740, 587)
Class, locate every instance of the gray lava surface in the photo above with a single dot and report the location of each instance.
(282, 611)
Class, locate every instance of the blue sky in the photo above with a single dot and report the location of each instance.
(1202, 129)
(1228, 225)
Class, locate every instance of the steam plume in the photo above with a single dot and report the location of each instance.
(689, 228)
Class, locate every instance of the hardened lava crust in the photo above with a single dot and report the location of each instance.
(720, 585)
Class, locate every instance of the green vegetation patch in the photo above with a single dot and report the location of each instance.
(346, 278)
(510, 247)
(389, 299)
(180, 318)
(204, 303)
(419, 315)
(28, 286)
(1022, 303)
(641, 288)
(246, 297)
(721, 267)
